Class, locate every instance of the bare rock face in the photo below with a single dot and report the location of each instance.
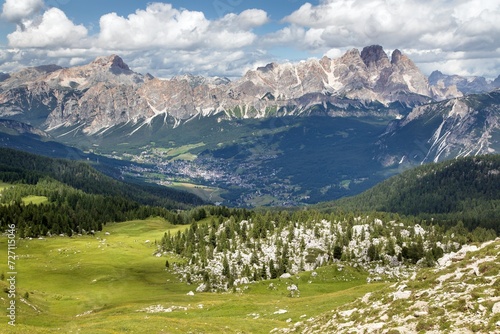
(375, 58)
(107, 92)
(407, 74)
(453, 128)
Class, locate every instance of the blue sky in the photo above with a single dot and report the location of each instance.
(229, 37)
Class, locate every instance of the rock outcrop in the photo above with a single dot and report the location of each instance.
(460, 297)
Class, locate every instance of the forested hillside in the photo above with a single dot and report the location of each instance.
(21, 167)
(465, 189)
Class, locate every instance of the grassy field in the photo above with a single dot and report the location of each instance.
(181, 152)
(104, 284)
(28, 199)
(4, 185)
(209, 194)
(35, 200)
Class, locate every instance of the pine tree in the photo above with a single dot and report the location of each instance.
(225, 267)
(263, 271)
(272, 270)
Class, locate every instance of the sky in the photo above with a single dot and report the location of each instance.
(230, 37)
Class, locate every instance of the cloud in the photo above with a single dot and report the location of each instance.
(159, 25)
(441, 33)
(453, 27)
(176, 40)
(52, 29)
(448, 25)
(248, 19)
(16, 10)
(472, 63)
(162, 26)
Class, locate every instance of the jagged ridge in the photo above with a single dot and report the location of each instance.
(106, 92)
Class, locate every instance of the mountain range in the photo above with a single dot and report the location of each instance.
(291, 133)
(107, 92)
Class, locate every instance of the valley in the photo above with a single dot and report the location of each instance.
(285, 161)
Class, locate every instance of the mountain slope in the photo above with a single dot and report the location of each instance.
(466, 189)
(457, 127)
(459, 296)
(16, 166)
(465, 85)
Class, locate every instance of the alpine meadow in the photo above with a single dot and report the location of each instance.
(250, 167)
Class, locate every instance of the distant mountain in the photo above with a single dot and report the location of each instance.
(106, 92)
(18, 128)
(282, 134)
(457, 127)
(464, 189)
(464, 85)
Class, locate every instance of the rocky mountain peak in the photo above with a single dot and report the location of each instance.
(398, 59)
(496, 82)
(396, 56)
(462, 84)
(111, 62)
(374, 56)
(268, 68)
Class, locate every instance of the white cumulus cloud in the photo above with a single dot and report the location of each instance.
(16, 10)
(52, 29)
(162, 25)
(175, 40)
(436, 34)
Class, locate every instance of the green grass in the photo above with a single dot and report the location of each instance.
(4, 185)
(35, 200)
(209, 194)
(28, 199)
(99, 284)
(181, 152)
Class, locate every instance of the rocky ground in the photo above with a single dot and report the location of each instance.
(460, 295)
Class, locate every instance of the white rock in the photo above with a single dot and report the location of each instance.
(401, 295)
(281, 311)
(419, 314)
(370, 328)
(348, 313)
(419, 230)
(190, 293)
(285, 276)
(366, 298)
(496, 308)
